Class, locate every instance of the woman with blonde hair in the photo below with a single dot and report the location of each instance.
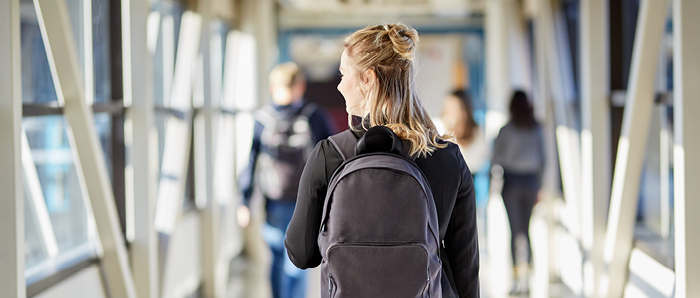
(378, 83)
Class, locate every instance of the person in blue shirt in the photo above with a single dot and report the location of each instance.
(284, 135)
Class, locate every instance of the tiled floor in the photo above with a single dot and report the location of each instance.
(249, 272)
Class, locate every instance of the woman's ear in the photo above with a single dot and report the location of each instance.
(369, 76)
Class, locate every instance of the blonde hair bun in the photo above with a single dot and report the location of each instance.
(404, 39)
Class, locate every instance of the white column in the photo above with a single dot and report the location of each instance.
(259, 21)
(498, 77)
(686, 106)
(497, 35)
(225, 192)
(92, 170)
(141, 138)
(632, 144)
(12, 205)
(214, 283)
(595, 137)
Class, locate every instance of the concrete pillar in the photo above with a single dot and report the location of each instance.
(141, 180)
(12, 205)
(258, 18)
(595, 138)
(498, 77)
(686, 73)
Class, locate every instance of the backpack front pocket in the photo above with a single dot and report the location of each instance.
(369, 270)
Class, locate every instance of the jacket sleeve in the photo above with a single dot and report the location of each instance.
(247, 179)
(303, 229)
(461, 239)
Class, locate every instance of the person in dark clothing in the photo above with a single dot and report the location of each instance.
(377, 84)
(519, 151)
(287, 120)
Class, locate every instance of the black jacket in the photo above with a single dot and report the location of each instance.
(453, 191)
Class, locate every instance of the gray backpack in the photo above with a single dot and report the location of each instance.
(379, 232)
(286, 144)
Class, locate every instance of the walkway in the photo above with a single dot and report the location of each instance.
(249, 276)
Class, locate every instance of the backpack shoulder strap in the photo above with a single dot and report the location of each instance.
(308, 109)
(344, 143)
(266, 115)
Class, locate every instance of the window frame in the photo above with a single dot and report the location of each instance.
(116, 110)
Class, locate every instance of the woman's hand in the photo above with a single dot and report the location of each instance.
(243, 216)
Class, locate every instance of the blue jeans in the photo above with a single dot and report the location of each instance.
(287, 280)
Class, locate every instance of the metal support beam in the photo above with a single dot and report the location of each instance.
(686, 73)
(630, 153)
(90, 164)
(141, 139)
(88, 64)
(12, 280)
(595, 138)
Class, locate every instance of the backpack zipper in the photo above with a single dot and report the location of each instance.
(331, 285)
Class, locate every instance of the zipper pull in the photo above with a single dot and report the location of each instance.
(330, 284)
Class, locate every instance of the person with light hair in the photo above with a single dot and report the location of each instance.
(285, 132)
(378, 72)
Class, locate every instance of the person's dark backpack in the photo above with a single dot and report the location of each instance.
(379, 232)
(286, 144)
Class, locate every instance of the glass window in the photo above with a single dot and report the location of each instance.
(172, 127)
(53, 167)
(35, 248)
(571, 18)
(101, 50)
(37, 84)
(170, 130)
(654, 232)
(161, 119)
(60, 229)
(166, 45)
(103, 125)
